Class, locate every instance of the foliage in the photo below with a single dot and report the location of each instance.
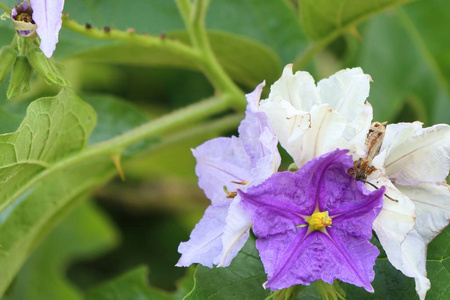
(129, 67)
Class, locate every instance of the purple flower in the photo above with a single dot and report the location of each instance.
(314, 224)
(22, 17)
(46, 15)
(223, 166)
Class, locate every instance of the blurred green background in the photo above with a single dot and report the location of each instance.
(140, 222)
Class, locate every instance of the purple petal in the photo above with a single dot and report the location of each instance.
(47, 15)
(257, 136)
(219, 162)
(205, 243)
(293, 258)
(277, 205)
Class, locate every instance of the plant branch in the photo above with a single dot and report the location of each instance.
(114, 146)
(131, 37)
(194, 18)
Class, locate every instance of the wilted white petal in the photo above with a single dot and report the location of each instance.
(422, 158)
(395, 135)
(394, 222)
(297, 89)
(432, 201)
(235, 233)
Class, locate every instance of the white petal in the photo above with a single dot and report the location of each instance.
(236, 232)
(432, 201)
(422, 158)
(396, 134)
(394, 222)
(205, 243)
(288, 124)
(345, 92)
(414, 262)
(297, 89)
(325, 135)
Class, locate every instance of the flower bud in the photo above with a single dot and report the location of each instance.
(20, 78)
(45, 67)
(7, 58)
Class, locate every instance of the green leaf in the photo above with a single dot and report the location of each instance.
(130, 286)
(8, 121)
(324, 18)
(240, 57)
(85, 233)
(438, 266)
(403, 80)
(114, 117)
(53, 128)
(243, 279)
(273, 23)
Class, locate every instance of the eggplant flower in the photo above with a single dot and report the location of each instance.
(223, 166)
(413, 164)
(311, 120)
(44, 14)
(315, 224)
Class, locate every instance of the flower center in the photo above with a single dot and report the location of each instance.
(24, 17)
(319, 220)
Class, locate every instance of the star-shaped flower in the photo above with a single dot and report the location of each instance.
(314, 224)
(230, 163)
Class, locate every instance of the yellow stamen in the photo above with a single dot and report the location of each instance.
(240, 182)
(319, 220)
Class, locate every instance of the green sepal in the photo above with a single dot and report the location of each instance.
(8, 56)
(45, 67)
(20, 78)
(330, 291)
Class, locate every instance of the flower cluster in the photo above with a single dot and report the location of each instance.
(353, 176)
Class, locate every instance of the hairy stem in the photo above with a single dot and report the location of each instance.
(192, 113)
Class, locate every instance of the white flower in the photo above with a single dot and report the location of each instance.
(413, 164)
(311, 120)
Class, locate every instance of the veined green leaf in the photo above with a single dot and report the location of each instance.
(402, 79)
(53, 128)
(438, 266)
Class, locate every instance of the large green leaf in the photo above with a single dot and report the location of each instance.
(130, 286)
(242, 58)
(243, 279)
(403, 80)
(324, 18)
(83, 234)
(134, 285)
(53, 128)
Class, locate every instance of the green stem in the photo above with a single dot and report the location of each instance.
(194, 112)
(194, 18)
(5, 8)
(174, 47)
